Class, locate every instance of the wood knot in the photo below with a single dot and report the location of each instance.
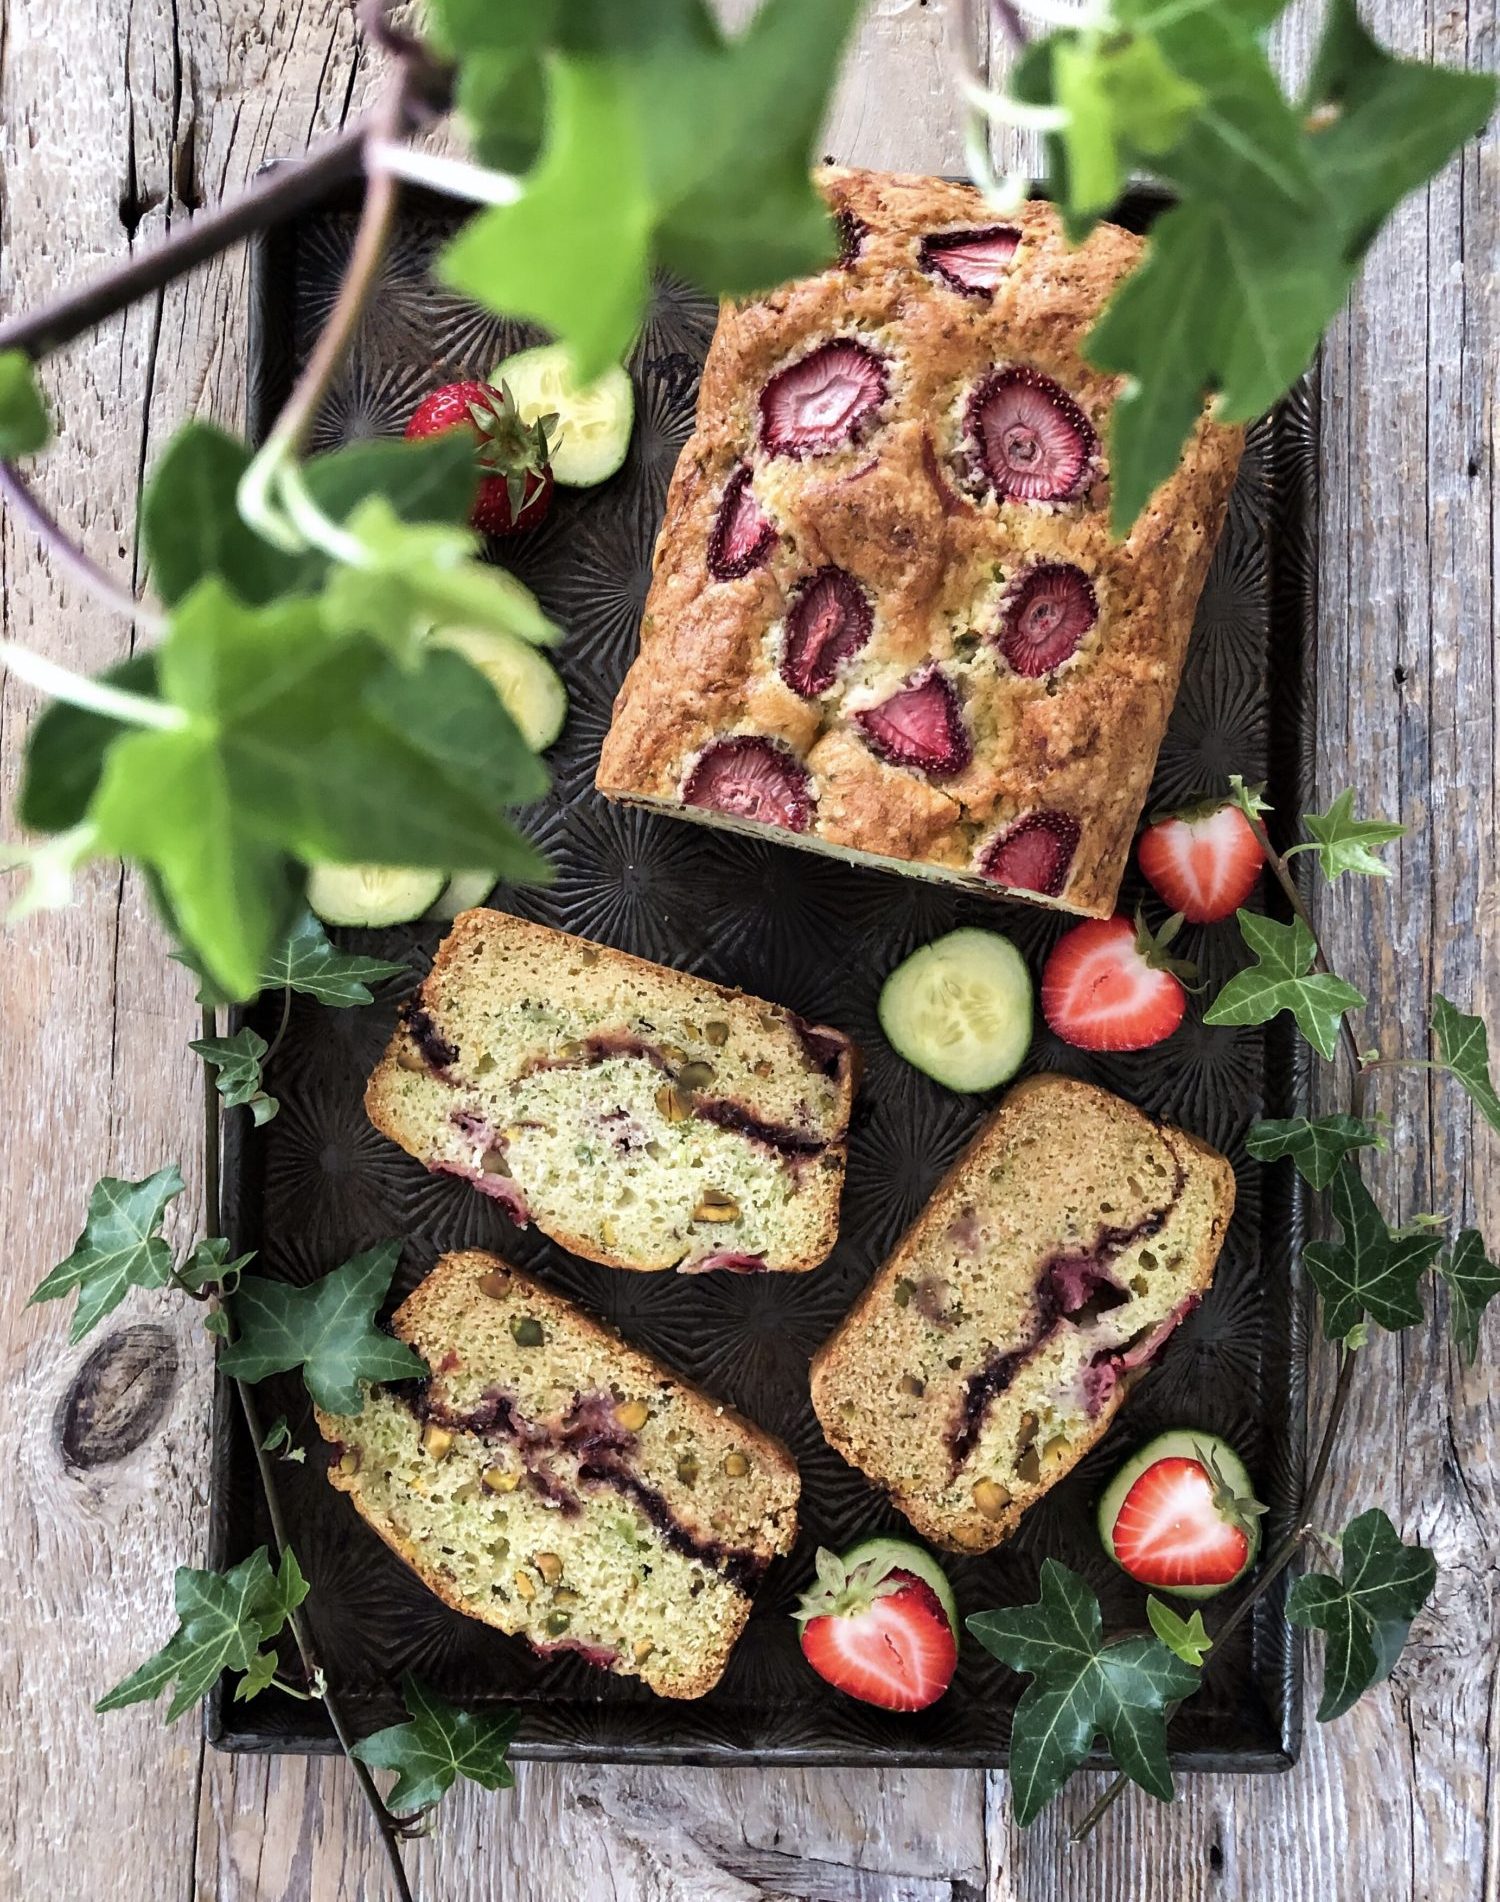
(118, 1397)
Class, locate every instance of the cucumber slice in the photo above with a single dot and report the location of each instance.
(463, 892)
(529, 686)
(371, 895)
(900, 1555)
(1209, 1451)
(960, 1009)
(594, 419)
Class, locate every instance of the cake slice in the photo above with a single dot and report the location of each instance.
(639, 1116)
(552, 1482)
(998, 1342)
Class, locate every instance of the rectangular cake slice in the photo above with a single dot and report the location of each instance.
(562, 1487)
(639, 1116)
(886, 614)
(998, 1342)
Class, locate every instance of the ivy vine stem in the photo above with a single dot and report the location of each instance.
(33, 514)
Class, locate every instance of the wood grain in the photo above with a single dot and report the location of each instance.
(132, 113)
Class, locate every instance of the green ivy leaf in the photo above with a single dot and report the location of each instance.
(1317, 1145)
(1343, 842)
(121, 1247)
(223, 1620)
(1081, 1686)
(209, 1266)
(1473, 1281)
(258, 1675)
(238, 1060)
(1366, 1613)
(1185, 1638)
(66, 751)
(192, 527)
(1282, 978)
(1370, 1270)
(438, 1745)
(307, 961)
(431, 480)
(326, 1328)
(1123, 100)
(23, 415)
(278, 1439)
(1464, 1047)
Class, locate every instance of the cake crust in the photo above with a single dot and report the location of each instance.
(904, 508)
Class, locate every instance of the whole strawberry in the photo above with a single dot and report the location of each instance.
(513, 457)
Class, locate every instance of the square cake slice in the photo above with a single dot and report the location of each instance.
(642, 1117)
(886, 615)
(996, 1345)
(551, 1481)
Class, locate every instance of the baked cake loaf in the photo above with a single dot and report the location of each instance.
(998, 1342)
(886, 614)
(639, 1116)
(557, 1484)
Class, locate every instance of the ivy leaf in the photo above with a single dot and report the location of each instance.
(209, 1266)
(121, 1247)
(326, 1328)
(1464, 1047)
(1343, 842)
(66, 751)
(307, 961)
(223, 1620)
(1185, 1638)
(23, 416)
(1366, 1613)
(501, 91)
(1282, 978)
(436, 1746)
(237, 1060)
(1370, 1270)
(278, 1439)
(1122, 100)
(1317, 1145)
(1473, 1281)
(1079, 1687)
(433, 479)
(192, 527)
(258, 1675)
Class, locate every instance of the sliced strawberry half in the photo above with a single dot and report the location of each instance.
(1030, 440)
(822, 401)
(1182, 1515)
(1033, 855)
(742, 536)
(880, 1624)
(1046, 616)
(1110, 985)
(1204, 862)
(750, 777)
(828, 622)
(971, 260)
(920, 726)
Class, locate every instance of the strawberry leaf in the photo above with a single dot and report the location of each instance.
(121, 1247)
(306, 961)
(237, 1060)
(1472, 1281)
(1371, 1270)
(23, 416)
(1185, 1638)
(1343, 842)
(1464, 1046)
(1081, 1686)
(1367, 1612)
(1282, 978)
(326, 1328)
(436, 1746)
(1317, 1145)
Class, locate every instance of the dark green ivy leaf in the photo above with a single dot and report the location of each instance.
(1473, 1281)
(1367, 1612)
(1081, 1686)
(23, 415)
(209, 1266)
(121, 1247)
(436, 1746)
(306, 961)
(1317, 1145)
(1464, 1048)
(326, 1328)
(1371, 1270)
(1282, 978)
(1343, 842)
(238, 1060)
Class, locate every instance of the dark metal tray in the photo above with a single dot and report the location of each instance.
(318, 1183)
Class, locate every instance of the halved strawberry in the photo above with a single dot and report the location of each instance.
(742, 537)
(1203, 862)
(823, 400)
(750, 777)
(1028, 437)
(970, 260)
(1045, 616)
(1109, 985)
(881, 1625)
(921, 725)
(828, 622)
(1182, 1515)
(512, 456)
(1033, 855)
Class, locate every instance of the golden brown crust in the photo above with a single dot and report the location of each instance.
(893, 510)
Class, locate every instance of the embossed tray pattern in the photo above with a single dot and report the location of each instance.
(318, 1183)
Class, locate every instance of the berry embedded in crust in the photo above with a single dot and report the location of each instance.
(921, 726)
(972, 261)
(1029, 440)
(822, 401)
(1046, 616)
(742, 536)
(749, 777)
(1033, 855)
(828, 622)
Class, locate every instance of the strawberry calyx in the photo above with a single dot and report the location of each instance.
(1235, 1507)
(515, 451)
(843, 1590)
(1151, 947)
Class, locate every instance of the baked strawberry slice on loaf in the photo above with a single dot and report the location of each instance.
(552, 1482)
(998, 1342)
(642, 1117)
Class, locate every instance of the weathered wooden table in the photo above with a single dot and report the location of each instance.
(122, 117)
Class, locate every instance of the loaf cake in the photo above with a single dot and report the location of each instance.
(886, 615)
(639, 1116)
(557, 1484)
(997, 1343)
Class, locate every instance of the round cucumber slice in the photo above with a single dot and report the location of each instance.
(371, 895)
(1228, 1471)
(594, 419)
(463, 892)
(900, 1555)
(960, 1009)
(529, 686)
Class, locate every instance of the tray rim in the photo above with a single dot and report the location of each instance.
(1293, 604)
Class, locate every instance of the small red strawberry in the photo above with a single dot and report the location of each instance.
(1029, 439)
(880, 1624)
(970, 260)
(921, 725)
(828, 622)
(1109, 985)
(1033, 855)
(823, 400)
(742, 537)
(1182, 1515)
(1203, 862)
(513, 457)
(750, 777)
